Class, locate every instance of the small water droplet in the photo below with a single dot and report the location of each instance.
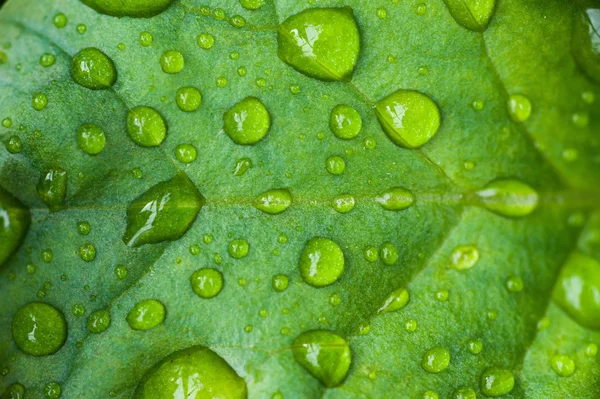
(371, 254)
(496, 381)
(188, 99)
(146, 314)
(335, 165)
(396, 300)
(580, 119)
(519, 108)
(146, 127)
(207, 283)
(464, 393)
(52, 390)
(273, 201)
(442, 295)
(186, 153)
(280, 282)
(436, 360)
(205, 40)
(562, 365)
(321, 262)
(388, 253)
(98, 321)
(172, 61)
(238, 21)
(430, 395)
(252, 5)
(322, 43)
(47, 60)
(514, 284)
(325, 355)
(93, 69)
(87, 252)
(247, 122)
(60, 20)
(14, 145)
(475, 346)
(343, 203)
(145, 39)
(121, 272)
(410, 119)
(91, 139)
(410, 325)
(39, 101)
(591, 350)
(345, 122)
(242, 166)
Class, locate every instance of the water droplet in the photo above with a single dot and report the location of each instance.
(371, 254)
(370, 143)
(585, 42)
(280, 282)
(563, 365)
(186, 153)
(195, 372)
(394, 301)
(430, 395)
(81, 29)
(273, 201)
(321, 262)
(496, 381)
(60, 20)
(52, 188)
(39, 101)
(247, 122)
(410, 119)
(47, 255)
(7, 122)
(436, 360)
(410, 325)
(145, 39)
(343, 203)
(87, 252)
(335, 165)
(335, 300)
(591, 350)
(207, 283)
(14, 145)
(252, 5)
(475, 346)
(464, 257)
(129, 8)
(205, 40)
(78, 310)
(146, 314)
(519, 108)
(219, 14)
(588, 97)
(294, 89)
(172, 61)
(471, 14)
(121, 272)
(381, 13)
(464, 393)
(93, 69)
(248, 328)
(146, 127)
(238, 248)
(188, 99)
(580, 119)
(325, 355)
(91, 139)
(421, 9)
(345, 122)
(14, 391)
(164, 212)
(442, 295)
(98, 321)
(238, 21)
(30, 268)
(388, 253)
(242, 166)
(39, 329)
(577, 290)
(47, 60)
(323, 43)
(514, 284)
(242, 71)
(395, 199)
(511, 198)
(52, 390)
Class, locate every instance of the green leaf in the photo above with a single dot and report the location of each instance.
(457, 250)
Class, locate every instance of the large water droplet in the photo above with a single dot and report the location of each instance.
(52, 188)
(39, 329)
(14, 223)
(129, 8)
(14, 391)
(410, 119)
(273, 201)
(345, 122)
(146, 314)
(471, 14)
(436, 360)
(324, 354)
(146, 127)
(496, 381)
(323, 43)
(509, 197)
(394, 301)
(247, 122)
(396, 199)
(195, 372)
(207, 283)
(321, 262)
(585, 42)
(577, 290)
(93, 69)
(164, 212)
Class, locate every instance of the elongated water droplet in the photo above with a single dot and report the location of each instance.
(321, 262)
(345, 122)
(14, 223)
(242, 166)
(129, 8)
(323, 43)
(146, 127)
(562, 365)
(343, 203)
(164, 212)
(471, 14)
(273, 201)
(509, 197)
(410, 119)
(195, 372)
(146, 314)
(436, 360)
(247, 122)
(323, 354)
(90, 138)
(394, 301)
(577, 290)
(496, 381)
(39, 329)
(464, 257)
(585, 42)
(52, 188)
(93, 69)
(396, 199)
(252, 4)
